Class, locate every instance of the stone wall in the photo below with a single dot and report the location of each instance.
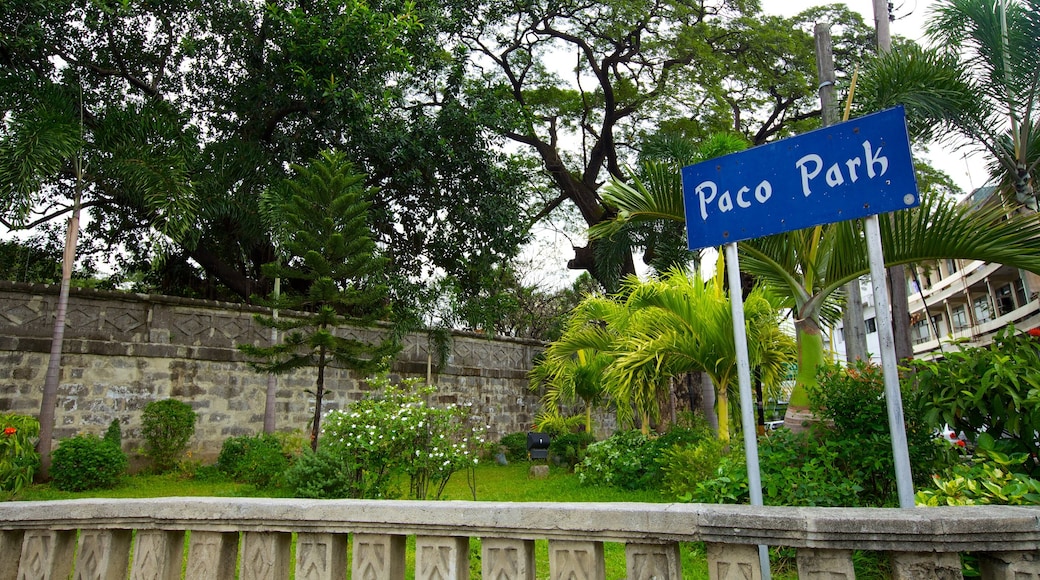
(122, 351)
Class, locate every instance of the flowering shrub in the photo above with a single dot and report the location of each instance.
(397, 433)
(18, 457)
(989, 477)
(87, 462)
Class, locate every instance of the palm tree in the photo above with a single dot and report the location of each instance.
(808, 267)
(666, 327)
(981, 83)
(568, 379)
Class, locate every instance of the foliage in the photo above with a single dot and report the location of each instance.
(258, 460)
(331, 258)
(989, 477)
(992, 390)
(18, 457)
(977, 84)
(324, 474)
(515, 445)
(114, 434)
(632, 460)
(569, 448)
(684, 466)
(30, 261)
(87, 462)
(167, 426)
(395, 432)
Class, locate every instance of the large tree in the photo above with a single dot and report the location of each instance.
(254, 87)
(580, 84)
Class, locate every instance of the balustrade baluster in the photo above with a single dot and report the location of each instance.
(576, 560)
(47, 554)
(102, 554)
(733, 562)
(378, 557)
(321, 556)
(507, 559)
(158, 555)
(10, 553)
(265, 555)
(211, 555)
(825, 564)
(441, 558)
(926, 566)
(653, 561)
(1010, 565)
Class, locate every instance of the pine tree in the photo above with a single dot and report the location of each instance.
(334, 275)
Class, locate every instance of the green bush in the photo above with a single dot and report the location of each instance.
(989, 477)
(395, 434)
(569, 448)
(516, 446)
(994, 390)
(685, 465)
(86, 462)
(167, 427)
(321, 475)
(258, 460)
(114, 434)
(623, 460)
(18, 457)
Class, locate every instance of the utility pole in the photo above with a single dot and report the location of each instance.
(852, 319)
(896, 274)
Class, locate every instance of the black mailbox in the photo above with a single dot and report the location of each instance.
(538, 445)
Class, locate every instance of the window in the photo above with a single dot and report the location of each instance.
(959, 318)
(939, 326)
(1020, 292)
(871, 325)
(1005, 301)
(951, 266)
(983, 310)
(919, 331)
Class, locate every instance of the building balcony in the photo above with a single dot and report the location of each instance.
(211, 538)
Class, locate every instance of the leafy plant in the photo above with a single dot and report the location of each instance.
(395, 432)
(992, 390)
(684, 466)
(167, 427)
(515, 445)
(114, 434)
(623, 460)
(86, 462)
(258, 460)
(321, 474)
(18, 457)
(569, 448)
(990, 477)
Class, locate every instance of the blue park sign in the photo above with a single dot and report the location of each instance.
(846, 171)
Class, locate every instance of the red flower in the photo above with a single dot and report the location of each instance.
(10, 431)
(961, 443)
(1034, 332)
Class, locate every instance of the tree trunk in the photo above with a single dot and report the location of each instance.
(810, 357)
(319, 394)
(708, 401)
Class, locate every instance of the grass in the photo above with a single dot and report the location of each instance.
(493, 483)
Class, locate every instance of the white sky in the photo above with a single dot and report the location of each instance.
(967, 171)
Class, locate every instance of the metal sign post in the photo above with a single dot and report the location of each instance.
(747, 411)
(886, 336)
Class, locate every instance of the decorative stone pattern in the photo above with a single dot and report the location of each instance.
(211, 555)
(102, 554)
(157, 555)
(825, 564)
(571, 560)
(122, 351)
(503, 559)
(441, 558)
(265, 555)
(653, 562)
(733, 562)
(926, 566)
(321, 556)
(1011, 565)
(378, 557)
(46, 554)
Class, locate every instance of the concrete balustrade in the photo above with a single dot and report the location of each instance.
(144, 539)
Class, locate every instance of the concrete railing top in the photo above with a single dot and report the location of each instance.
(943, 529)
